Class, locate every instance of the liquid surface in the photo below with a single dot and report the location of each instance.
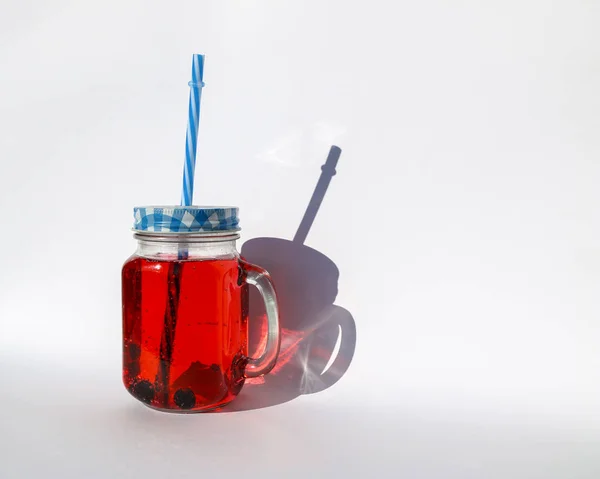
(184, 332)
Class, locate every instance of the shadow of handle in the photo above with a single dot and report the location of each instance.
(343, 323)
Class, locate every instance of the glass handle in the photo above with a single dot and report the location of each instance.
(258, 277)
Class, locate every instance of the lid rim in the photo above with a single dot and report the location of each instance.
(172, 219)
(192, 207)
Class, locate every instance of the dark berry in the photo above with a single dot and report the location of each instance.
(185, 398)
(144, 391)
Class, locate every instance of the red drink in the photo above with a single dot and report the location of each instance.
(185, 331)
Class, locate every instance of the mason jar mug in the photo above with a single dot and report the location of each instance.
(185, 310)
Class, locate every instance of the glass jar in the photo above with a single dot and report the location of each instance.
(185, 310)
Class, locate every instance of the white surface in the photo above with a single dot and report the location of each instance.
(463, 220)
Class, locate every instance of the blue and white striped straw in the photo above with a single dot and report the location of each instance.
(191, 140)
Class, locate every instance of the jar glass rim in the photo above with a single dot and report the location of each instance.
(187, 237)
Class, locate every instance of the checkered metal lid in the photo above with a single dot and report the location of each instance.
(185, 219)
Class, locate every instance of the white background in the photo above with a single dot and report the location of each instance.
(463, 220)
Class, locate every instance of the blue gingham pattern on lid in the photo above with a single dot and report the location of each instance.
(185, 219)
